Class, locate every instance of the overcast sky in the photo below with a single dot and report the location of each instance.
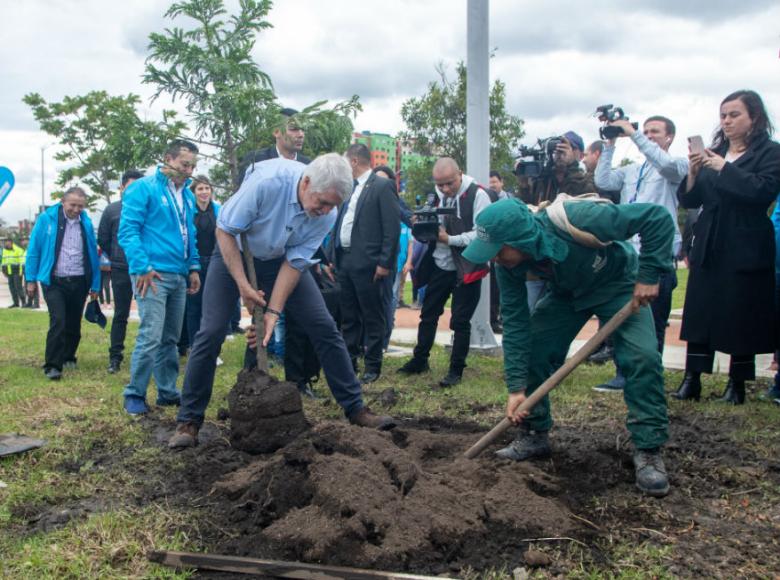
(559, 59)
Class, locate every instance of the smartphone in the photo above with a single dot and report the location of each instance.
(696, 144)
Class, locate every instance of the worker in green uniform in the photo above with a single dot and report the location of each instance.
(578, 247)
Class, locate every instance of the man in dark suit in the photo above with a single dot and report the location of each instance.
(365, 240)
(289, 142)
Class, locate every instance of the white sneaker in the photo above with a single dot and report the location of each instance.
(230, 337)
(220, 362)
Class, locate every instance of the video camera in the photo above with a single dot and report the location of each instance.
(537, 160)
(608, 113)
(426, 220)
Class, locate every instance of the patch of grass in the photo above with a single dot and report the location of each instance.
(678, 296)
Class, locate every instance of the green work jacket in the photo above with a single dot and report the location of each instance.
(585, 276)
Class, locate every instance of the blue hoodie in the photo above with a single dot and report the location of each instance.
(43, 242)
(149, 228)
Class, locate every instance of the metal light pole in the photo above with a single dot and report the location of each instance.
(478, 146)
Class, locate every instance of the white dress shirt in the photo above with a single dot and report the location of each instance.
(345, 234)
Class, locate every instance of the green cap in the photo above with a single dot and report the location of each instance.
(510, 222)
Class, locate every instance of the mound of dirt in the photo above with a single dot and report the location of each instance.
(401, 500)
(265, 414)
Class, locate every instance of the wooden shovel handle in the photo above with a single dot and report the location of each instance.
(557, 377)
(257, 312)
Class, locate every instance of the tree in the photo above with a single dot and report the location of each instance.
(231, 101)
(102, 136)
(436, 121)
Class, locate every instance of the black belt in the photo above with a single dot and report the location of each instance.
(69, 279)
(345, 250)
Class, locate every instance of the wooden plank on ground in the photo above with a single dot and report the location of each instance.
(275, 568)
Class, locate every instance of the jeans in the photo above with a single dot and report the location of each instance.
(155, 353)
(123, 297)
(305, 303)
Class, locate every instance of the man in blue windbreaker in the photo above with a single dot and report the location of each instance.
(62, 256)
(157, 233)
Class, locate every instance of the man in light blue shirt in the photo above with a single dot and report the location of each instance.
(653, 181)
(285, 209)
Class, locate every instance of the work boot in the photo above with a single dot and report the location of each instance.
(690, 388)
(365, 417)
(414, 366)
(528, 444)
(650, 472)
(602, 355)
(186, 435)
(734, 393)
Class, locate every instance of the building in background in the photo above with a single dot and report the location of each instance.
(390, 151)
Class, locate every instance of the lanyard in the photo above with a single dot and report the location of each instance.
(642, 175)
(181, 215)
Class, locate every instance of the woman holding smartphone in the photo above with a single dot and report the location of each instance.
(729, 303)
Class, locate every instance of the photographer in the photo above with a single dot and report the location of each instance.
(653, 181)
(560, 173)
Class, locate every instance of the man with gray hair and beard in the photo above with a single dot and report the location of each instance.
(285, 209)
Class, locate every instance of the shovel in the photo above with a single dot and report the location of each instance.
(557, 377)
(257, 312)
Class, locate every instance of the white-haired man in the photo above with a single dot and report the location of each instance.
(285, 209)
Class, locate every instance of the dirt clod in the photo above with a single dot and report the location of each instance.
(536, 558)
(265, 414)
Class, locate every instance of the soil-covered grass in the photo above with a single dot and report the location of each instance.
(105, 489)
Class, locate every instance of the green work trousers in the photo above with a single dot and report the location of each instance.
(555, 324)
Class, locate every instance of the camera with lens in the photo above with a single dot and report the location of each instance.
(607, 114)
(537, 160)
(426, 220)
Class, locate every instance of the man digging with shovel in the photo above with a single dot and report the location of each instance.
(578, 247)
(285, 209)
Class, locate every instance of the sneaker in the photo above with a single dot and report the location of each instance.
(414, 367)
(770, 394)
(53, 374)
(366, 418)
(168, 402)
(220, 362)
(608, 388)
(450, 380)
(113, 367)
(528, 444)
(135, 405)
(650, 472)
(602, 355)
(186, 435)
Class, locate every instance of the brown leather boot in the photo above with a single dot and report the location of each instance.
(186, 435)
(366, 418)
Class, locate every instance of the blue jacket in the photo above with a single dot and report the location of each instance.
(41, 253)
(149, 228)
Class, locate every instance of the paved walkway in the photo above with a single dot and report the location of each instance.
(405, 336)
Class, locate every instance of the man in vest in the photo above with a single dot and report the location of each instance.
(448, 273)
(584, 279)
(62, 256)
(12, 262)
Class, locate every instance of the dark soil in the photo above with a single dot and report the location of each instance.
(265, 414)
(406, 500)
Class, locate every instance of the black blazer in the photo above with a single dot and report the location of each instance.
(730, 300)
(262, 155)
(376, 228)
